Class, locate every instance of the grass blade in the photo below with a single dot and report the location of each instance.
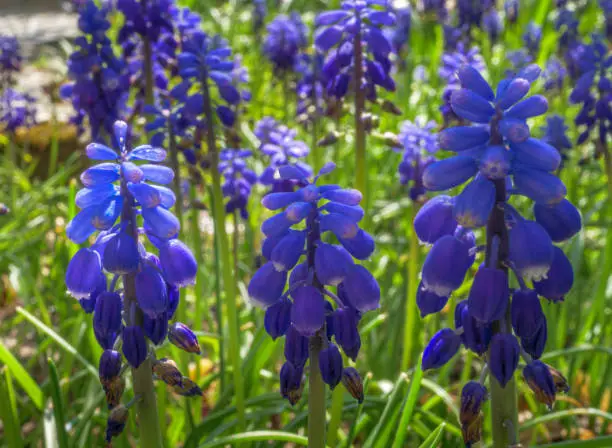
(434, 437)
(255, 436)
(22, 376)
(8, 412)
(409, 404)
(58, 405)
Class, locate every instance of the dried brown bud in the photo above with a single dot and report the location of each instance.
(167, 371)
(352, 382)
(389, 106)
(114, 391)
(187, 388)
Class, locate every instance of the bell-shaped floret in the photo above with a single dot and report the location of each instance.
(178, 263)
(440, 349)
(277, 319)
(83, 273)
(535, 345)
(288, 251)
(291, 382)
(476, 335)
(296, 347)
(475, 203)
(495, 162)
(360, 246)
(151, 291)
(332, 263)
(514, 92)
(559, 279)
(429, 302)
(121, 254)
(330, 364)
(161, 222)
(280, 223)
(526, 312)
(107, 318)
(134, 345)
(446, 265)
(530, 107)
(267, 285)
(448, 173)
(435, 219)
(473, 397)
(534, 153)
(561, 220)
(538, 185)
(362, 289)
(489, 295)
(471, 106)
(345, 322)
(155, 328)
(530, 249)
(471, 79)
(541, 382)
(308, 310)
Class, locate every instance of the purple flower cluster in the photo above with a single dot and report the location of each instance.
(356, 47)
(451, 62)
(593, 90)
(419, 144)
(279, 144)
(239, 180)
(100, 86)
(502, 160)
(286, 37)
(302, 312)
(310, 88)
(16, 110)
(10, 59)
(127, 184)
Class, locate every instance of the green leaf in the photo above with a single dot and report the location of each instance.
(434, 437)
(58, 405)
(563, 414)
(409, 404)
(255, 436)
(8, 412)
(59, 340)
(22, 376)
(601, 442)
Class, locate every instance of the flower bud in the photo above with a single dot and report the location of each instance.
(448, 173)
(110, 366)
(494, 164)
(345, 322)
(83, 273)
(535, 344)
(561, 385)
(489, 295)
(308, 310)
(167, 371)
(178, 263)
(540, 381)
(116, 422)
(296, 347)
(473, 396)
(330, 364)
(291, 382)
(440, 349)
(114, 391)
(526, 312)
(278, 318)
(352, 382)
(503, 357)
(135, 347)
(472, 431)
(121, 254)
(187, 388)
(476, 335)
(161, 222)
(540, 186)
(184, 338)
(151, 291)
(156, 329)
(388, 106)
(89, 303)
(329, 139)
(107, 318)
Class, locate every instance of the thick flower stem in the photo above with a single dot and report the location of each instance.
(146, 407)
(316, 395)
(361, 181)
(410, 319)
(224, 250)
(504, 400)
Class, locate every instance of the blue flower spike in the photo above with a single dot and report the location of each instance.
(328, 290)
(498, 158)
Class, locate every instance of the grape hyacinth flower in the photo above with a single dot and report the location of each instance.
(310, 89)
(286, 38)
(554, 74)
(399, 35)
(327, 292)
(16, 110)
(419, 144)
(593, 90)
(260, 11)
(128, 184)
(100, 86)
(492, 24)
(10, 59)
(239, 180)
(555, 134)
(357, 60)
(532, 38)
(451, 62)
(500, 159)
(278, 142)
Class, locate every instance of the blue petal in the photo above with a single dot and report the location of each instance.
(147, 152)
(98, 151)
(157, 173)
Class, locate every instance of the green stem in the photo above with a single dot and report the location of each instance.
(336, 413)
(411, 309)
(316, 395)
(361, 180)
(504, 400)
(226, 263)
(148, 418)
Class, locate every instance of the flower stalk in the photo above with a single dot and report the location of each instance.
(410, 319)
(504, 400)
(146, 407)
(224, 251)
(361, 180)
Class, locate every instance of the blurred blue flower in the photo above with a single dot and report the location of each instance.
(239, 180)
(279, 144)
(10, 58)
(326, 267)
(555, 134)
(286, 37)
(399, 34)
(310, 88)
(532, 38)
(492, 24)
(260, 11)
(554, 74)
(419, 144)
(16, 110)
(356, 27)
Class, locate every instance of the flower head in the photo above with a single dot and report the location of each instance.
(301, 311)
(239, 180)
(17, 110)
(10, 56)
(286, 37)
